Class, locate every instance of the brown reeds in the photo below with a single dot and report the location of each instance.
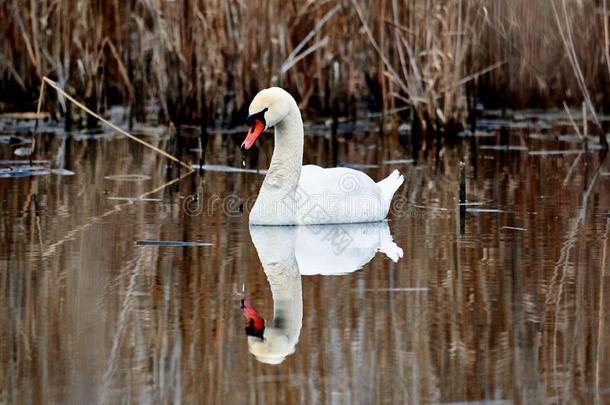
(203, 60)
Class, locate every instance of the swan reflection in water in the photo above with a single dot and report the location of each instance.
(286, 253)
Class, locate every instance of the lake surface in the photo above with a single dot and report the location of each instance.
(119, 288)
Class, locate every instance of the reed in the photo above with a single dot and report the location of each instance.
(201, 61)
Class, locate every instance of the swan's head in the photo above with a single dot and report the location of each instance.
(273, 348)
(268, 107)
(269, 345)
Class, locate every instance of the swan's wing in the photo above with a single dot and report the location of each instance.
(337, 195)
(338, 180)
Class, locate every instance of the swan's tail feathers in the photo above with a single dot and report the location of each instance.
(388, 187)
(391, 249)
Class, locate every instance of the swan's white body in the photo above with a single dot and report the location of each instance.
(286, 253)
(293, 194)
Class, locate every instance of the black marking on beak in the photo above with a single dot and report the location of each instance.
(260, 116)
(252, 331)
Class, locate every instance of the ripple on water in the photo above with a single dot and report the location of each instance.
(516, 148)
(10, 162)
(127, 177)
(171, 243)
(227, 169)
(23, 171)
(23, 151)
(62, 172)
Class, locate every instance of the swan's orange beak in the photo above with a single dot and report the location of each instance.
(253, 133)
(255, 324)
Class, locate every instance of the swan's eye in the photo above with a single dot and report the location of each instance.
(260, 116)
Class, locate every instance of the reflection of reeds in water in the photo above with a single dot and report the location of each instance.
(101, 319)
(202, 59)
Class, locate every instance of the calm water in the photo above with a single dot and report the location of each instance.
(510, 307)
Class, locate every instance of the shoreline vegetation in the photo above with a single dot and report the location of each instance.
(433, 63)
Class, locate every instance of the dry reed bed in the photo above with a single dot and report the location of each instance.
(202, 60)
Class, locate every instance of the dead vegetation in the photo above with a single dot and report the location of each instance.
(200, 61)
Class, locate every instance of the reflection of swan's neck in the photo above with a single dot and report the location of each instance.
(275, 247)
(285, 282)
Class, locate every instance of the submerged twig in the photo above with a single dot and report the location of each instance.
(571, 170)
(71, 235)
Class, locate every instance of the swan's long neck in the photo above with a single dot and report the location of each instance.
(285, 282)
(285, 168)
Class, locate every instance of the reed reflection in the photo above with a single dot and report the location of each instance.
(286, 253)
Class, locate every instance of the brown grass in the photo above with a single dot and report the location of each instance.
(201, 60)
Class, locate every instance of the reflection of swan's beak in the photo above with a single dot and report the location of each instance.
(255, 324)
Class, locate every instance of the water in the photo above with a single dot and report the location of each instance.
(511, 306)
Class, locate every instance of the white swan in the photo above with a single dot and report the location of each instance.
(294, 194)
(286, 253)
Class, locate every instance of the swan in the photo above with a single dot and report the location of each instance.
(287, 253)
(293, 194)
